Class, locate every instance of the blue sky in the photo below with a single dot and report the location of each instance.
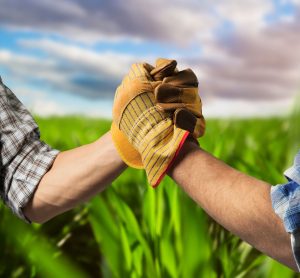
(69, 58)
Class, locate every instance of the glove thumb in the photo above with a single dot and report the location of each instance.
(186, 120)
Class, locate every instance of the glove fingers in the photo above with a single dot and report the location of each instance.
(184, 78)
(148, 67)
(171, 107)
(186, 120)
(164, 67)
(167, 93)
(199, 129)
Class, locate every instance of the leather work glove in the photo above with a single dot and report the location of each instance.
(178, 94)
(143, 133)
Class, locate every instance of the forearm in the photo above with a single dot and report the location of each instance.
(76, 175)
(238, 202)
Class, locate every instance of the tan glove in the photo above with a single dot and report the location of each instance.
(144, 135)
(179, 94)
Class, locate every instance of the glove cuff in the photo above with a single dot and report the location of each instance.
(169, 165)
(126, 151)
(159, 148)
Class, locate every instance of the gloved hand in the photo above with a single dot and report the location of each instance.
(145, 135)
(178, 94)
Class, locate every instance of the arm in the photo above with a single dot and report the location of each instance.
(75, 176)
(240, 203)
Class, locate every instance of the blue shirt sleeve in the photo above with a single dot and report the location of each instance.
(286, 204)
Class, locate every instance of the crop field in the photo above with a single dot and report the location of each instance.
(131, 230)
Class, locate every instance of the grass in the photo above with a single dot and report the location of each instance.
(131, 230)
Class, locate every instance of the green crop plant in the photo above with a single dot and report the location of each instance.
(131, 230)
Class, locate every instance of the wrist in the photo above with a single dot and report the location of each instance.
(105, 148)
(189, 148)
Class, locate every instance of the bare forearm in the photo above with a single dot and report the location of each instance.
(76, 175)
(240, 203)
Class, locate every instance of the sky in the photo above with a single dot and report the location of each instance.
(68, 57)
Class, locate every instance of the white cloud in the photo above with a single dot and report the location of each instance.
(245, 15)
(43, 103)
(69, 69)
(46, 108)
(113, 64)
(229, 108)
(250, 62)
(94, 21)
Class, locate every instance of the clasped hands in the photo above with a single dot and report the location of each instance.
(156, 109)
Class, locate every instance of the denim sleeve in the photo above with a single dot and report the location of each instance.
(286, 204)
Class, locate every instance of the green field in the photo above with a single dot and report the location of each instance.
(131, 230)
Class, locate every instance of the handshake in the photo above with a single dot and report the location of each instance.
(156, 109)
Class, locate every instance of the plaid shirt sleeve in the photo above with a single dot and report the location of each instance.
(24, 159)
(286, 204)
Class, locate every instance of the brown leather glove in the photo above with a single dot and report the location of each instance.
(178, 94)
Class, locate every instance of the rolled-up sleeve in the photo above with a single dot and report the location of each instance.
(24, 158)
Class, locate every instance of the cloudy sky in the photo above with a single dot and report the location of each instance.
(68, 57)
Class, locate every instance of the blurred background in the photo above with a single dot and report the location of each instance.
(68, 58)
(64, 59)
